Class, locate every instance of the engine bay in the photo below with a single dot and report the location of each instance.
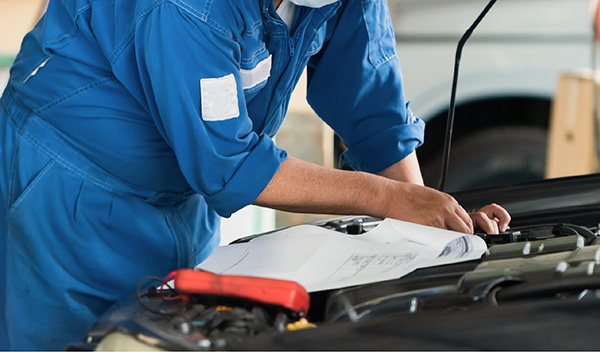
(534, 288)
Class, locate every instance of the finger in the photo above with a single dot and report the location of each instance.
(483, 222)
(464, 216)
(458, 222)
(455, 223)
(497, 212)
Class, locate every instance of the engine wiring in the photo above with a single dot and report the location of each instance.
(154, 291)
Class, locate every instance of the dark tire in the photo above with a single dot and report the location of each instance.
(492, 157)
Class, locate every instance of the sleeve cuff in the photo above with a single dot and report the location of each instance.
(250, 179)
(386, 148)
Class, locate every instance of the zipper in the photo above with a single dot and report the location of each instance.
(292, 39)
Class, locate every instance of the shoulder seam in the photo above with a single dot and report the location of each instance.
(184, 6)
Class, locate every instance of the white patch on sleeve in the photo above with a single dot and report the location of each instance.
(219, 98)
(260, 73)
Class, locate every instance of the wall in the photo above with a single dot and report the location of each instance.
(17, 17)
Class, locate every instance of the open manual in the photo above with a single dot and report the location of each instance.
(323, 259)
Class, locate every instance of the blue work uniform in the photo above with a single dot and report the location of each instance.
(129, 127)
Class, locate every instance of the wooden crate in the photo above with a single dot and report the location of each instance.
(572, 134)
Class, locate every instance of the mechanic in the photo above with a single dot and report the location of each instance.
(130, 127)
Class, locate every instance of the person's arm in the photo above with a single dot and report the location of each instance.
(300, 186)
(355, 85)
(195, 95)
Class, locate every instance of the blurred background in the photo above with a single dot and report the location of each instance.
(525, 104)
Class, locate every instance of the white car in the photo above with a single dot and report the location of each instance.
(508, 77)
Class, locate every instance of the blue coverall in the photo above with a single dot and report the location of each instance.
(129, 127)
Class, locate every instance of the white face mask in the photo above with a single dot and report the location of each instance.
(312, 3)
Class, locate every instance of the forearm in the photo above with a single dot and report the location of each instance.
(299, 186)
(406, 170)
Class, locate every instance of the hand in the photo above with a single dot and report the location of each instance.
(427, 206)
(491, 219)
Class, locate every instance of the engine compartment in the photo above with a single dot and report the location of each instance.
(536, 287)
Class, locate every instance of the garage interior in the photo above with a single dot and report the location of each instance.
(527, 110)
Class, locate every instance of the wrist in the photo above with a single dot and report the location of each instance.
(386, 197)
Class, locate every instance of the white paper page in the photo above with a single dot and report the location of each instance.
(321, 259)
(452, 246)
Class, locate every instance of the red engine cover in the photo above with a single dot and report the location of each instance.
(287, 294)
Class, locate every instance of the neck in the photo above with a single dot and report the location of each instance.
(277, 3)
